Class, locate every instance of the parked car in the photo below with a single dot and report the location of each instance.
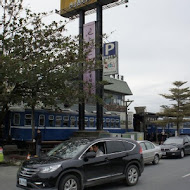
(73, 165)
(151, 152)
(176, 146)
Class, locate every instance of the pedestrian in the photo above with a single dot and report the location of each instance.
(38, 143)
(160, 138)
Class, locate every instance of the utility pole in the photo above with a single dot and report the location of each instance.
(128, 103)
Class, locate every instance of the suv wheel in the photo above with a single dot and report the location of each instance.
(69, 182)
(132, 175)
(156, 159)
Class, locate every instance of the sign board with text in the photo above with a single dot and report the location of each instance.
(110, 58)
(72, 7)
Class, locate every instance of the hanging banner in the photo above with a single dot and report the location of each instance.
(110, 58)
(1, 44)
(89, 77)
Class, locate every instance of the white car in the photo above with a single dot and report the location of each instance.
(151, 152)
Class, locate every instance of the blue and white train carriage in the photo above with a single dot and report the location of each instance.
(56, 126)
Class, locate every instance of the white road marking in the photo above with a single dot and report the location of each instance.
(186, 175)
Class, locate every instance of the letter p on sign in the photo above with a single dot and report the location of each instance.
(108, 47)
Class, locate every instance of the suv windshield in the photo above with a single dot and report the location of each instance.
(68, 149)
(174, 141)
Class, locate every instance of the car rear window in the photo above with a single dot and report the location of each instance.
(128, 145)
(149, 145)
(143, 146)
(115, 146)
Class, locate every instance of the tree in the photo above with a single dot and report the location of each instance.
(180, 107)
(39, 64)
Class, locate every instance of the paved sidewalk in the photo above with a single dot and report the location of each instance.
(13, 159)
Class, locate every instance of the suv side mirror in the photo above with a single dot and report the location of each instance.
(89, 155)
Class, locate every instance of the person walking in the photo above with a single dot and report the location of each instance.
(38, 143)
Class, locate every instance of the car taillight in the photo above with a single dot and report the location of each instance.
(140, 150)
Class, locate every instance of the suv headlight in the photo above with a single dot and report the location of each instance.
(48, 169)
(174, 149)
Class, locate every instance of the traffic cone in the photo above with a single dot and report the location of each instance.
(1, 155)
(28, 156)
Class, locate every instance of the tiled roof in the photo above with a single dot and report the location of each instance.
(116, 85)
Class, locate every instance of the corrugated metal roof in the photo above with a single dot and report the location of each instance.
(116, 85)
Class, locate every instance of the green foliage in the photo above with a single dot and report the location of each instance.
(39, 64)
(180, 106)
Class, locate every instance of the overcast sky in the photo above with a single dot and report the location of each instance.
(154, 44)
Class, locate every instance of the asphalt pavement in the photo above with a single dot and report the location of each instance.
(169, 174)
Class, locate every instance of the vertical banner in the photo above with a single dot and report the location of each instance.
(89, 77)
(1, 44)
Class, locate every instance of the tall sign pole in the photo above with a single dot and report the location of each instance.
(99, 71)
(81, 101)
(71, 8)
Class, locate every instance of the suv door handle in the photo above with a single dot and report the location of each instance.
(106, 159)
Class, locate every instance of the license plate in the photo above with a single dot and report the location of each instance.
(163, 153)
(22, 182)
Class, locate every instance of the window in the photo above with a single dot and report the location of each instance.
(41, 120)
(117, 123)
(28, 119)
(149, 145)
(107, 122)
(65, 121)
(51, 119)
(112, 122)
(91, 121)
(72, 121)
(77, 121)
(86, 121)
(16, 120)
(101, 146)
(104, 122)
(115, 146)
(128, 145)
(58, 121)
(188, 138)
(143, 146)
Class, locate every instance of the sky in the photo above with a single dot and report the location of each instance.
(154, 44)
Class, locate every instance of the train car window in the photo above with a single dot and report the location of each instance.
(104, 122)
(41, 120)
(86, 121)
(91, 121)
(112, 122)
(28, 119)
(77, 121)
(107, 122)
(72, 121)
(117, 123)
(58, 120)
(51, 119)
(65, 121)
(16, 120)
